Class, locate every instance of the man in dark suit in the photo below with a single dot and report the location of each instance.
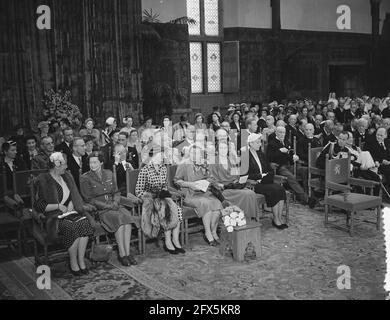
(340, 112)
(251, 127)
(327, 133)
(380, 152)
(337, 149)
(281, 156)
(303, 144)
(301, 129)
(361, 135)
(65, 146)
(78, 161)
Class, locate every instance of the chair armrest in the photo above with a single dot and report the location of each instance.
(320, 172)
(177, 192)
(337, 186)
(38, 217)
(87, 207)
(130, 201)
(279, 179)
(363, 183)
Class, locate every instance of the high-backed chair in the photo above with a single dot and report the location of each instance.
(21, 187)
(337, 178)
(9, 223)
(40, 235)
(133, 204)
(189, 213)
(315, 176)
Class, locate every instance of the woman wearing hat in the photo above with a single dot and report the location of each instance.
(90, 130)
(43, 128)
(110, 126)
(255, 165)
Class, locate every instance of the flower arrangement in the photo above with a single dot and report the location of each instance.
(233, 216)
(58, 105)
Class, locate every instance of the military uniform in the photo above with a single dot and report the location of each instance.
(102, 192)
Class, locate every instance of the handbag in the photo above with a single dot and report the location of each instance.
(100, 252)
(235, 186)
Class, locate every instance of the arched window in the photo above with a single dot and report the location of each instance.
(205, 45)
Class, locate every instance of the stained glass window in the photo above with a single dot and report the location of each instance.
(214, 67)
(211, 21)
(193, 12)
(196, 67)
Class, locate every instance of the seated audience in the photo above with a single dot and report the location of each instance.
(380, 152)
(281, 155)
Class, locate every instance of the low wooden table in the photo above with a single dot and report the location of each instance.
(243, 244)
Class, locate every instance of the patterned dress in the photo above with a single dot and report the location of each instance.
(68, 231)
(153, 181)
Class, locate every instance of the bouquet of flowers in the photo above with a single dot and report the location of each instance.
(233, 216)
(58, 105)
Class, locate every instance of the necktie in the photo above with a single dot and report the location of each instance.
(383, 146)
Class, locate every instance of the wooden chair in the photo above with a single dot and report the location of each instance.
(189, 212)
(337, 178)
(133, 204)
(9, 223)
(21, 187)
(40, 235)
(314, 182)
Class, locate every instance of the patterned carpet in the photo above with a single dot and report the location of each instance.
(297, 263)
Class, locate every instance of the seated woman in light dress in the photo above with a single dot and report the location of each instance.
(208, 207)
(225, 173)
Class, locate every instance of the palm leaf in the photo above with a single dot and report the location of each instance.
(183, 20)
(149, 16)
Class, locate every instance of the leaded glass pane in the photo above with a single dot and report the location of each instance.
(211, 21)
(196, 67)
(214, 67)
(193, 12)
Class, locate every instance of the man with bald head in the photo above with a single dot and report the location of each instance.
(327, 133)
(281, 156)
(291, 129)
(380, 152)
